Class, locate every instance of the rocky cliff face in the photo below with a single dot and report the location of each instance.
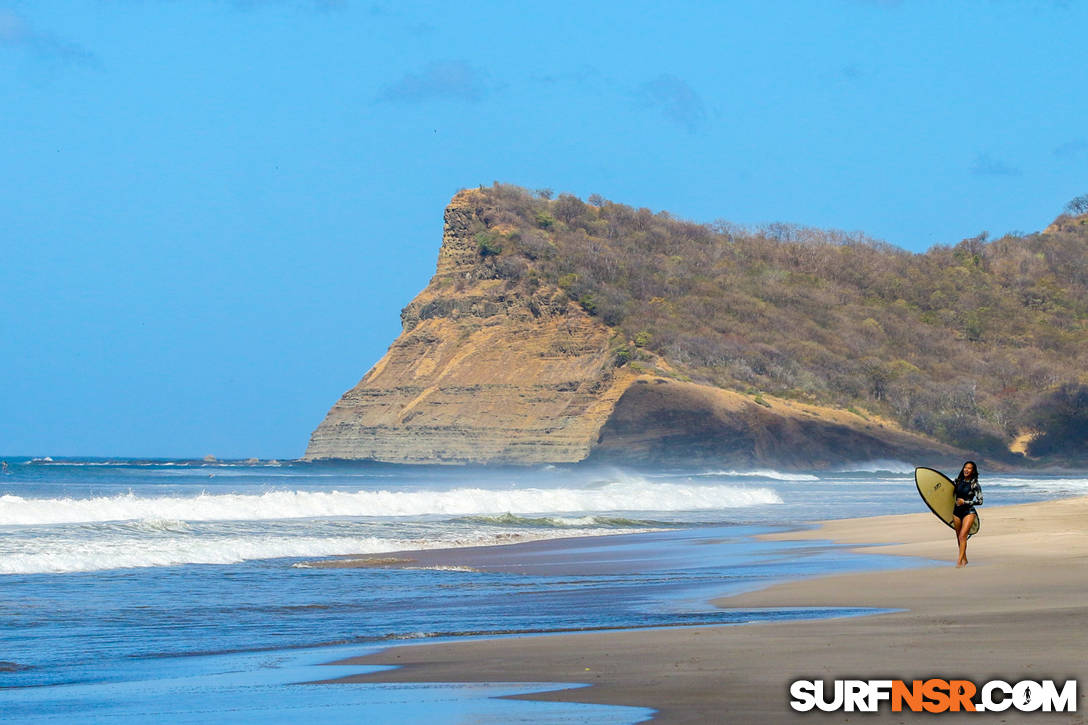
(479, 375)
(485, 373)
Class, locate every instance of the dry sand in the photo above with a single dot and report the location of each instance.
(1018, 611)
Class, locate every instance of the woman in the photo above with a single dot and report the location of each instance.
(968, 495)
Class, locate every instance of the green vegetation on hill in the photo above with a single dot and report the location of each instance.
(972, 344)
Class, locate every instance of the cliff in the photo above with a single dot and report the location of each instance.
(498, 363)
(479, 374)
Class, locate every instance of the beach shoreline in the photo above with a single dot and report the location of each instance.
(1018, 611)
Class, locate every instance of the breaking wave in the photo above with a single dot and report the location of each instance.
(772, 475)
(634, 495)
(1057, 486)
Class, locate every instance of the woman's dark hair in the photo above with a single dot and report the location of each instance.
(974, 476)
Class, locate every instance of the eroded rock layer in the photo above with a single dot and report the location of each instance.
(479, 375)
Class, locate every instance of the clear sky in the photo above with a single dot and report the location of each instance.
(212, 211)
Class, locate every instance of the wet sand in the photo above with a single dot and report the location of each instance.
(1018, 611)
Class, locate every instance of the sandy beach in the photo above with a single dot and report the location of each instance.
(1018, 611)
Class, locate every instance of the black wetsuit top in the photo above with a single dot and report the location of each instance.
(971, 493)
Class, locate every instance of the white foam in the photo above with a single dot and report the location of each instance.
(773, 475)
(129, 549)
(631, 495)
(1048, 487)
(161, 525)
(572, 520)
(94, 554)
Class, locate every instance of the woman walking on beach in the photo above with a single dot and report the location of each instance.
(968, 495)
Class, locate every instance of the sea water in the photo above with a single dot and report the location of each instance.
(143, 590)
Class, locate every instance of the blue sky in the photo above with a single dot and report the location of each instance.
(212, 211)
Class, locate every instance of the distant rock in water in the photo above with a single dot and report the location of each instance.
(497, 363)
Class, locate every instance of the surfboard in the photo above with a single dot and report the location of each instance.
(939, 493)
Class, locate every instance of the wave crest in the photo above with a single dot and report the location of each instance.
(772, 475)
(634, 495)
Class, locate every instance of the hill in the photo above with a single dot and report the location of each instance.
(556, 330)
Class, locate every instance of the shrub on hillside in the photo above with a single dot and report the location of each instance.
(955, 342)
(1061, 417)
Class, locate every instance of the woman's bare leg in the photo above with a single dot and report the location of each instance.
(962, 532)
(956, 532)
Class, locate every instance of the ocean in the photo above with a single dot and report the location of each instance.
(138, 591)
